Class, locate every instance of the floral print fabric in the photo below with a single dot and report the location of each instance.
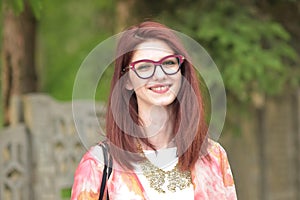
(211, 177)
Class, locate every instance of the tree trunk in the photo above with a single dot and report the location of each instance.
(124, 14)
(18, 67)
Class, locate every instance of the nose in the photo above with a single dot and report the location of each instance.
(159, 73)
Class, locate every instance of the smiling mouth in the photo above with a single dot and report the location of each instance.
(160, 89)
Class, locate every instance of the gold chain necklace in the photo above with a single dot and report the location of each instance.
(156, 177)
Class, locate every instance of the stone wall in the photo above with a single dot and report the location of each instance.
(39, 155)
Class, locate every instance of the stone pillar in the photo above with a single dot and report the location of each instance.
(37, 116)
(242, 150)
(280, 149)
(15, 173)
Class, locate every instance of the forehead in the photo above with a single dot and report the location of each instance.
(152, 49)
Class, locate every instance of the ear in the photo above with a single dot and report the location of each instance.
(128, 85)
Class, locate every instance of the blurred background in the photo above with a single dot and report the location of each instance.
(254, 43)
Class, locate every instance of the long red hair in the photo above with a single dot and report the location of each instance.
(122, 129)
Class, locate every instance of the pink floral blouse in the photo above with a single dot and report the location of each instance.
(211, 178)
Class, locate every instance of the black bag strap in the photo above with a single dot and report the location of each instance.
(106, 171)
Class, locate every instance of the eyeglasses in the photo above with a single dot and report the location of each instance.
(146, 68)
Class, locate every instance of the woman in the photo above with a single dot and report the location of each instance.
(156, 128)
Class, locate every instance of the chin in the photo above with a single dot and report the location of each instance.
(165, 102)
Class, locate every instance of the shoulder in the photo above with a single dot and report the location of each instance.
(216, 162)
(215, 154)
(215, 150)
(88, 174)
(93, 157)
(212, 174)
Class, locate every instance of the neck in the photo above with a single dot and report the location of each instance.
(158, 126)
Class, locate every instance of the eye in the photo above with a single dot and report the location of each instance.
(143, 66)
(170, 62)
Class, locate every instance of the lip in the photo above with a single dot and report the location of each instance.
(160, 88)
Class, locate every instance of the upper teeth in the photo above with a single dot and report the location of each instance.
(159, 88)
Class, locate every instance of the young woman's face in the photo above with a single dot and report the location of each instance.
(160, 89)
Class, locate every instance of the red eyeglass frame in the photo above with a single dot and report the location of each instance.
(156, 63)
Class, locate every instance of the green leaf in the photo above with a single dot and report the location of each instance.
(279, 31)
(17, 6)
(36, 6)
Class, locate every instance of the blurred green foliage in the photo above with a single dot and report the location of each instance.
(67, 33)
(18, 6)
(65, 193)
(252, 51)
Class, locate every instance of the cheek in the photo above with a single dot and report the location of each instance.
(136, 82)
(177, 87)
(178, 82)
